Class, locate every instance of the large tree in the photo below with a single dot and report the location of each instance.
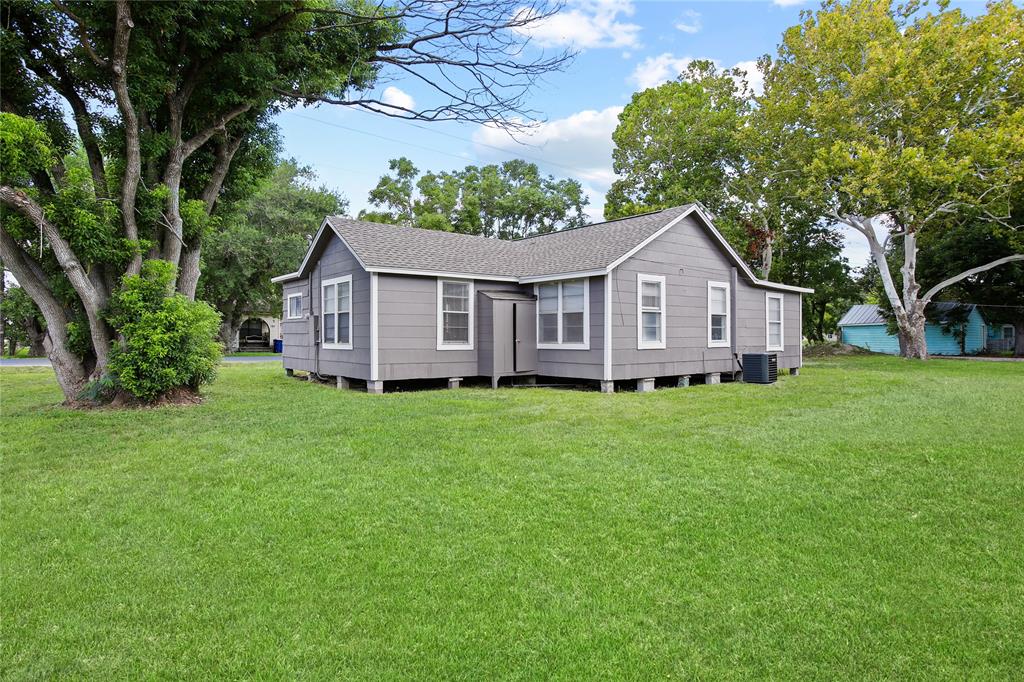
(167, 97)
(507, 201)
(810, 255)
(698, 139)
(266, 232)
(902, 121)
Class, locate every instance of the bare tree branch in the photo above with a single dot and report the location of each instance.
(200, 138)
(471, 54)
(83, 35)
(968, 273)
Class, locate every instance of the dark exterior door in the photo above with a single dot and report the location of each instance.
(524, 336)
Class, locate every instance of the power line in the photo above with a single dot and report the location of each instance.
(378, 136)
(439, 151)
(480, 144)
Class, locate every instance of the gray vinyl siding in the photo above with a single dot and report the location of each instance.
(407, 330)
(297, 334)
(686, 255)
(580, 364)
(300, 351)
(688, 258)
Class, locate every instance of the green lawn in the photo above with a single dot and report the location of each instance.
(863, 520)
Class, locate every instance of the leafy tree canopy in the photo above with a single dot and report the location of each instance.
(902, 119)
(172, 106)
(506, 201)
(263, 235)
(700, 139)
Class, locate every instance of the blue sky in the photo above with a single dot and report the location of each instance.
(623, 47)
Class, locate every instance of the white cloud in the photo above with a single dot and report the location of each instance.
(578, 146)
(653, 71)
(755, 79)
(690, 23)
(584, 24)
(398, 97)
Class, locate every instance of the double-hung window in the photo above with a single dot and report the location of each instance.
(336, 313)
(650, 306)
(454, 314)
(773, 320)
(563, 315)
(294, 306)
(718, 314)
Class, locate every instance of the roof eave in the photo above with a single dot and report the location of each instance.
(782, 287)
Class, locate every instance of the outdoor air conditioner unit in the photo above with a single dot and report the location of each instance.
(760, 368)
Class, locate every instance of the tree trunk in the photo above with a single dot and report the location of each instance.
(229, 329)
(3, 292)
(133, 159)
(36, 338)
(231, 323)
(767, 256)
(72, 373)
(1018, 343)
(909, 311)
(188, 281)
(916, 346)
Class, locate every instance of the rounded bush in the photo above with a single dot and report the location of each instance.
(168, 341)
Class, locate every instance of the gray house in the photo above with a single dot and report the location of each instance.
(651, 296)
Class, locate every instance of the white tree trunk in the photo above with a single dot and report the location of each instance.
(909, 321)
(909, 310)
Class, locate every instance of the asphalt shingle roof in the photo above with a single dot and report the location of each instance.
(586, 248)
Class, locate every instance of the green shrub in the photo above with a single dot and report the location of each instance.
(169, 341)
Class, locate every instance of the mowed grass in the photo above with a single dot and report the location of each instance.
(862, 520)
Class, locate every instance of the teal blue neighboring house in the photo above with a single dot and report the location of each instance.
(1001, 337)
(864, 326)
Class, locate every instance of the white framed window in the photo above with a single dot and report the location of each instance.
(650, 311)
(563, 314)
(718, 315)
(294, 309)
(454, 314)
(336, 313)
(773, 321)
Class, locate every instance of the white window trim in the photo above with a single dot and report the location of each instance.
(288, 307)
(559, 345)
(641, 344)
(782, 322)
(441, 345)
(351, 314)
(724, 343)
